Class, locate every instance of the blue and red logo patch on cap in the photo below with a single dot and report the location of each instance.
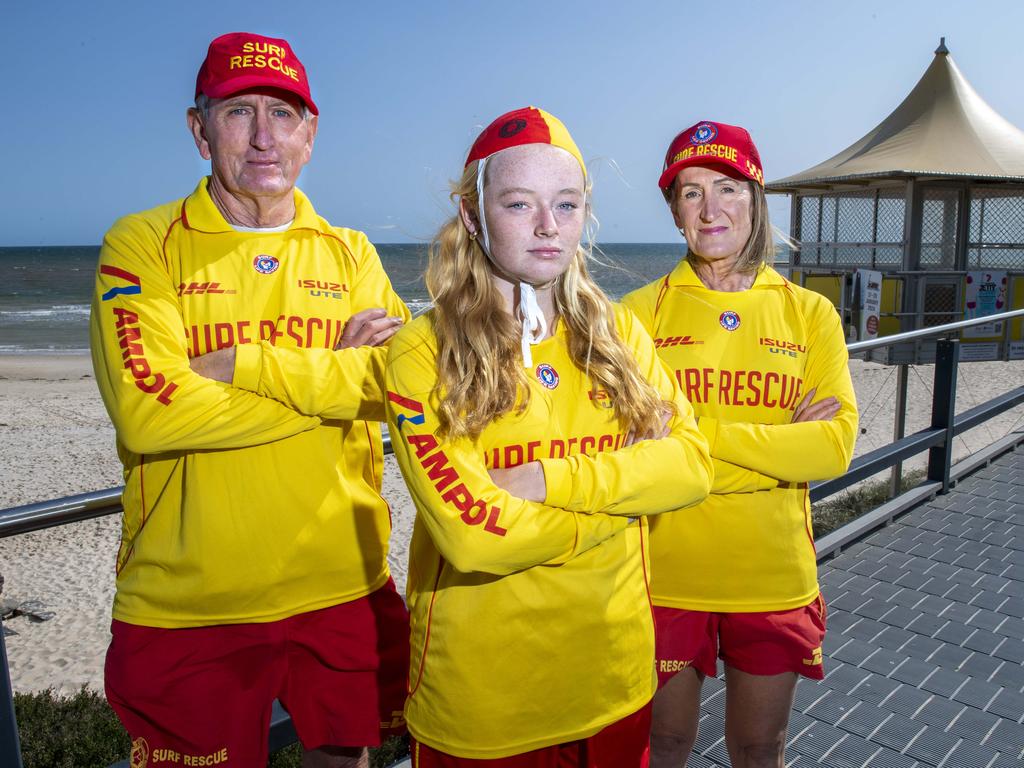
(729, 320)
(703, 133)
(547, 375)
(266, 265)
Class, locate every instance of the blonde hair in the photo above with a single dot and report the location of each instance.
(759, 249)
(479, 363)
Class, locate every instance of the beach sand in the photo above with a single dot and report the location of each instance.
(55, 440)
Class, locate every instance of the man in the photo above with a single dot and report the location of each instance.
(253, 560)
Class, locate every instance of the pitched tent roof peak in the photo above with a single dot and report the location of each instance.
(942, 128)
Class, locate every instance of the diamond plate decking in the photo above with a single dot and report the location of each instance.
(925, 645)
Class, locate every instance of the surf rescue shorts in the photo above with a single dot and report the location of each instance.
(767, 643)
(202, 696)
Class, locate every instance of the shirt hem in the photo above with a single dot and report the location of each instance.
(728, 607)
(164, 622)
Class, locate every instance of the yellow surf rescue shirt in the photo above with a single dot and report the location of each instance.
(531, 623)
(239, 507)
(745, 360)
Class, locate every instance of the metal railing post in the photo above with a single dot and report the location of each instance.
(899, 427)
(940, 457)
(10, 746)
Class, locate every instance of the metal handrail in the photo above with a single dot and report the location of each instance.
(923, 333)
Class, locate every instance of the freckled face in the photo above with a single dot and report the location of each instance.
(534, 204)
(714, 211)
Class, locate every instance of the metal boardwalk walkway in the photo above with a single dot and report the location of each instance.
(925, 645)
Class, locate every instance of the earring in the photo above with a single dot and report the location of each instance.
(472, 235)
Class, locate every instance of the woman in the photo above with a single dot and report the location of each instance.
(764, 363)
(512, 408)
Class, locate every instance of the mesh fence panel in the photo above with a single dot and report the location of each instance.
(828, 219)
(856, 218)
(892, 208)
(856, 229)
(996, 228)
(940, 304)
(938, 227)
(809, 207)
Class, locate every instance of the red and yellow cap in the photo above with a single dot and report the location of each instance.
(712, 144)
(239, 61)
(528, 125)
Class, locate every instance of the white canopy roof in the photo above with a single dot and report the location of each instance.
(943, 128)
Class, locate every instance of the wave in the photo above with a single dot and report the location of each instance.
(14, 349)
(46, 313)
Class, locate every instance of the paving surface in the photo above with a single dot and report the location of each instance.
(925, 645)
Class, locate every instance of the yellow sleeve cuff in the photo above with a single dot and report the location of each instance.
(248, 364)
(557, 482)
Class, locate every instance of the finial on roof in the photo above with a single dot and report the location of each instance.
(942, 46)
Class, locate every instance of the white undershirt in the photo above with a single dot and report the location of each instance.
(281, 228)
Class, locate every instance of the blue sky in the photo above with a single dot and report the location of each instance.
(95, 127)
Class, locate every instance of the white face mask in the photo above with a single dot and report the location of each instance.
(535, 325)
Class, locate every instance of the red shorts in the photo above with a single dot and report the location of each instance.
(623, 744)
(768, 643)
(203, 695)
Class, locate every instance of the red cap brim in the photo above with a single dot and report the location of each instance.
(249, 82)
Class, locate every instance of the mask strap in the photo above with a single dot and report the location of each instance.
(533, 317)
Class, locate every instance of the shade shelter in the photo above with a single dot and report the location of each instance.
(930, 194)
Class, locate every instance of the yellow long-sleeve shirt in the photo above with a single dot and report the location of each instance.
(745, 360)
(531, 623)
(239, 507)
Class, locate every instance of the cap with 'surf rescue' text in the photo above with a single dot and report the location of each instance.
(240, 61)
(712, 144)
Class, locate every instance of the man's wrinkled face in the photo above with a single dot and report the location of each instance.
(257, 141)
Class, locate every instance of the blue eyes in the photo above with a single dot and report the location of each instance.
(279, 113)
(694, 194)
(519, 205)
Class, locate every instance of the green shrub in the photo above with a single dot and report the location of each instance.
(381, 757)
(82, 731)
(851, 504)
(79, 731)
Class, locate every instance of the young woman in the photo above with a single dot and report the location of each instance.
(517, 409)
(764, 363)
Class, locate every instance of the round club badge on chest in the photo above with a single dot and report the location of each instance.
(729, 320)
(547, 375)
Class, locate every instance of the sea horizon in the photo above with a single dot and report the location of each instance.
(47, 290)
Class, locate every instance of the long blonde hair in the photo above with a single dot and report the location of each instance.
(480, 370)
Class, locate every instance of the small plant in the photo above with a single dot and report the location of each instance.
(79, 731)
(386, 754)
(851, 504)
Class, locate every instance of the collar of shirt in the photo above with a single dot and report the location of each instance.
(684, 276)
(199, 212)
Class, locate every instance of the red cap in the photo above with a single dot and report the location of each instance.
(239, 61)
(710, 144)
(528, 125)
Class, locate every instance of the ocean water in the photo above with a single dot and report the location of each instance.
(45, 291)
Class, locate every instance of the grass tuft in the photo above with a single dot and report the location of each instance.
(849, 505)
